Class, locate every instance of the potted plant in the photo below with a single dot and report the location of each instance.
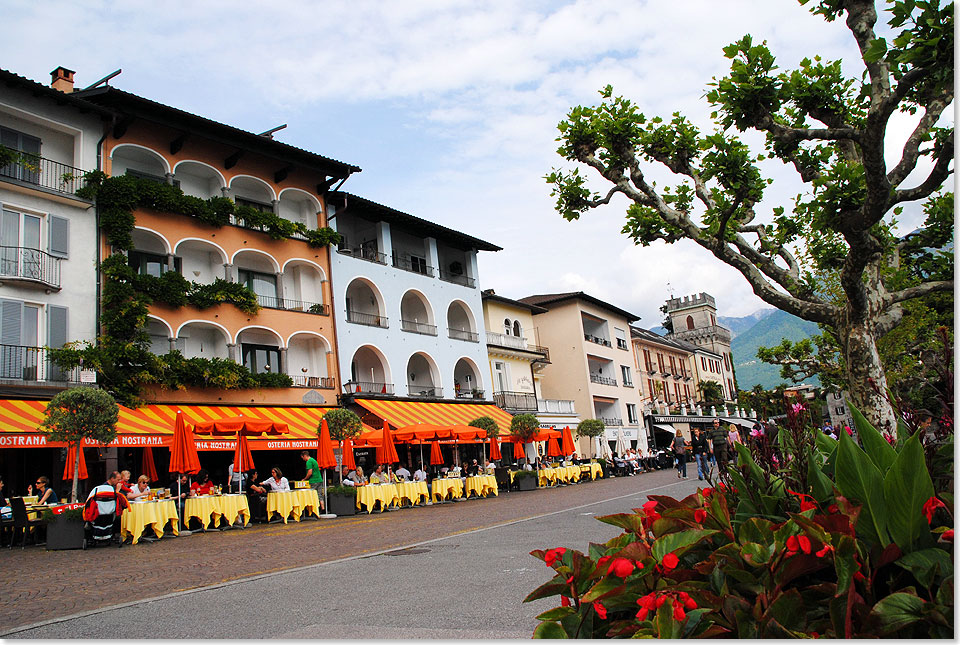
(526, 479)
(342, 500)
(64, 531)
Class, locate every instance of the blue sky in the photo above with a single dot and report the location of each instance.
(450, 108)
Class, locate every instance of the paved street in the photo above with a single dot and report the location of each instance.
(446, 571)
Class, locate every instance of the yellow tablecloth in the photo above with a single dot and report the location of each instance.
(155, 514)
(210, 508)
(414, 492)
(442, 486)
(369, 495)
(548, 476)
(296, 502)
(594, 469)
(482, 485)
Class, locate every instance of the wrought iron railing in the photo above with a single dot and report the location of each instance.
(315, 382)
(458, 278)
(45, 173)
(611, 421)
(460, 334)
(30, 264)
(418, 327)
(33, 364)
(371, 320)
(597, 340)
(276, 302)
(368, 253)
(367, 387)
(407, 264)
(515, 400)
(602, 380)
(426, 391)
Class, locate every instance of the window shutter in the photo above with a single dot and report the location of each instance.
(11, 316)
(56, 326)
(59, 236)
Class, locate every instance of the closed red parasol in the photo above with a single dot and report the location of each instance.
(68, 467)
(325, 456)
(242, 457)
(348, 459)
(567, 446)
(147, 467)
(494, 449)
(183, 452)
(553, 448)
(387, 451)
(436, 457)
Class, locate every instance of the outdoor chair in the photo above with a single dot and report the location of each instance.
(23, 522)
(502, 475)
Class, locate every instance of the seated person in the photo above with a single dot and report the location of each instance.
(420, 475)
(123, 486)
(256, 498)
(203, 485)
(45, 494)
(141, 489)
(359, 477)
(402, 473)
(277, 482)
(347, 476)
(180, 489)
(444, 470)
(527, 465)
(378, 476)
(488, 467)
(473, 469)
(574, 459)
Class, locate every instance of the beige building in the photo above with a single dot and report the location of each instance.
(591, 362)
(665, 370)
(515, 358)
(694, 320)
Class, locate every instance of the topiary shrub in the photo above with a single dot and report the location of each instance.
(342, 423)
(524, 426)
(488, 424)
(590, 428)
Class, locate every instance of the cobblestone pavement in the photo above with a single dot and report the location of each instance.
(38, 585)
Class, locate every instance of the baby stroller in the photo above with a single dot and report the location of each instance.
(102, 513)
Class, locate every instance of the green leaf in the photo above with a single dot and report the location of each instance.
(678, 541)
(552, 587)
(876, 50)
(925, 563)
(907, 486)
(556, 613)
(822, 487)
(667, 627)
(897, 611)
(881, 452)
(788, 610)
(744, 458)
(756, 530)
(549, 630)
(825, 444)
(858, 478)
(602, 588)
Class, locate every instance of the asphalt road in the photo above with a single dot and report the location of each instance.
(460, 571)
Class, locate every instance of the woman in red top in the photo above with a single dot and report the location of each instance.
(203, 485)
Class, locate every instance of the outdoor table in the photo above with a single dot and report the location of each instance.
(569, 473)
(482, 485)
(444, 485)
(414, 492)
(154, 514)
(369, 495)
(296, 502)
(210, 508)
(548, 475)
(593, 468)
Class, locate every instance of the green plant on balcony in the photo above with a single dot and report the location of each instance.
(315, 309)
(27, 161)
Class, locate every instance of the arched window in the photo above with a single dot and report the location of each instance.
(507, 326)
(516, 328)
(689, 322)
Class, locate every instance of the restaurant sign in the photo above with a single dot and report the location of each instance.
(40, 441)
(284, 444)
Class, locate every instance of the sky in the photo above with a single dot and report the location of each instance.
(449, 107)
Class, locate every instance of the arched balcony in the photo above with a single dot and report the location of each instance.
(138, 161)
(302, 288)
(461, 325)
(261, 274)
(252, 192)
(160, 335)
(369, 372)
(416, 314)
(365, 304)
(423, 377)
(307, 361)
(151, 254)
(200, 261)
(198, 179)
(198, 339)
(261, 350)
(466, 380)
(299, 206)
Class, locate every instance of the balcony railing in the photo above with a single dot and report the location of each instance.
(556, 406)
(29, 265)
(458, 278)
(602, 380)
(611, 421)
(469, 394)
(33, 364)
(371, 320)
(275, 302)
(460, 334)
(367, 253)
(315, 382)
(597, 340)
(526, 401)
(502, 340)
(367, 387)
(425, 391)
(407, 264)
(45, 173)
(418, 327)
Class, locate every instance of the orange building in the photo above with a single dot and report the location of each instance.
(293, 331)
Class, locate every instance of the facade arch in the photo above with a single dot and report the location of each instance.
(423, 376)
(252, 188)
(467, 378)
(156, 234)
(370, 370)
(262, 255)
(203, 339)
(460, 317)
(139, 158)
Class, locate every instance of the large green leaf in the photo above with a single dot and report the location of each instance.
(556, 613)
(907, 486)
(881, 452)
(925, 563)
(602, 588)
(858, 478)
(744, 458)
(667, 626)
(678, 541)
(549, 630)
(825, 444)
(897, 611)
(820, 484)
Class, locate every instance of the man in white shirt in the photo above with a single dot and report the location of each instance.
(420, 475)
(402, 473)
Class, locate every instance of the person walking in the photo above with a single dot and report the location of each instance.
(718, 444)
(313, 476)
(700, 451)
(679, 446)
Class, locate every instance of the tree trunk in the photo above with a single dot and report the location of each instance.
(863, 366)
(76, 472)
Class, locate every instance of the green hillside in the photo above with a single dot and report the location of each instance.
(768, 332)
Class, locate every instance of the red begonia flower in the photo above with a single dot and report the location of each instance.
(824, 551)
(948, 535)
(649, 601)
(792, 543)
(564, 601)
(670, 561)
(553, 555)
(806, 506)
(804, 543)
(660, 601)
(642, 614)
(621, 567)
(930, 506)
(689, 603)
(650, 506)
(707, 492)
(859, 576)
(722, 486)
(699, 515)
(570, 580)
(602, 562)
(679, 613)
(833, 509)
(601, 610)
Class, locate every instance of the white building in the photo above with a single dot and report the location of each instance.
(48, 234)
(407, 305)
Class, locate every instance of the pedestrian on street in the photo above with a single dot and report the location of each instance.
(679, 446)
(700, 452)
(314, 477)
(718, 444)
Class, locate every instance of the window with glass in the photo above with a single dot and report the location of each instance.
(632, 413)
(261, 359)
(262, 284)
(20, 244)
(418, 265)
(153, 264)
(627, 376)
(28, 168)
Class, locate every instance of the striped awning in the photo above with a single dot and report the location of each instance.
(152, 425)
(405, 413)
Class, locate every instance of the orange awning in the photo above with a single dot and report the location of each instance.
(405, 413)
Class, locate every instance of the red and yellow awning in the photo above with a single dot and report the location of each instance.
(405, 413)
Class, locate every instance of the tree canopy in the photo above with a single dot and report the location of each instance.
(832, 130)
(342, 424)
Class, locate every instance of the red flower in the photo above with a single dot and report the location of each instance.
(564, 601)
(642, 614)
(806, 506)
(553, 555)
(859, 576)
(679, 613)
(660, 601)
(699, 515)
(670, 561)
(849, 431)
(948, 535)
(707, 492)
(824, 551)
(804, 543)
(833, 509)
(639, 565)
(600, 609)
(793, 544)
(689, 603)
(602, 562)
(722, 486)
(930, 506)
(621, 567)
(570, 580)
(649, 601)
(650, 506)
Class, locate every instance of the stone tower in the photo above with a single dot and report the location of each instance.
(694, 319)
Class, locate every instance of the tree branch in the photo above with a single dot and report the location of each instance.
(917, 291)
(911, 149)
(933, 182)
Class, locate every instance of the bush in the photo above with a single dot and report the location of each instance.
(829, 539)
(590, 428)
(343, 491)
(488, 424)
(524, 426)
(342, 424)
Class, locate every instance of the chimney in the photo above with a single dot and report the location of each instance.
(62, 79)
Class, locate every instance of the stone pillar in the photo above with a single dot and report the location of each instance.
(226, 192)
(232, 352)
(169, 177)
(282, 368)
(170, 262)
(228, 272)
(173, 343)
(276, 206)
(279, 276)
